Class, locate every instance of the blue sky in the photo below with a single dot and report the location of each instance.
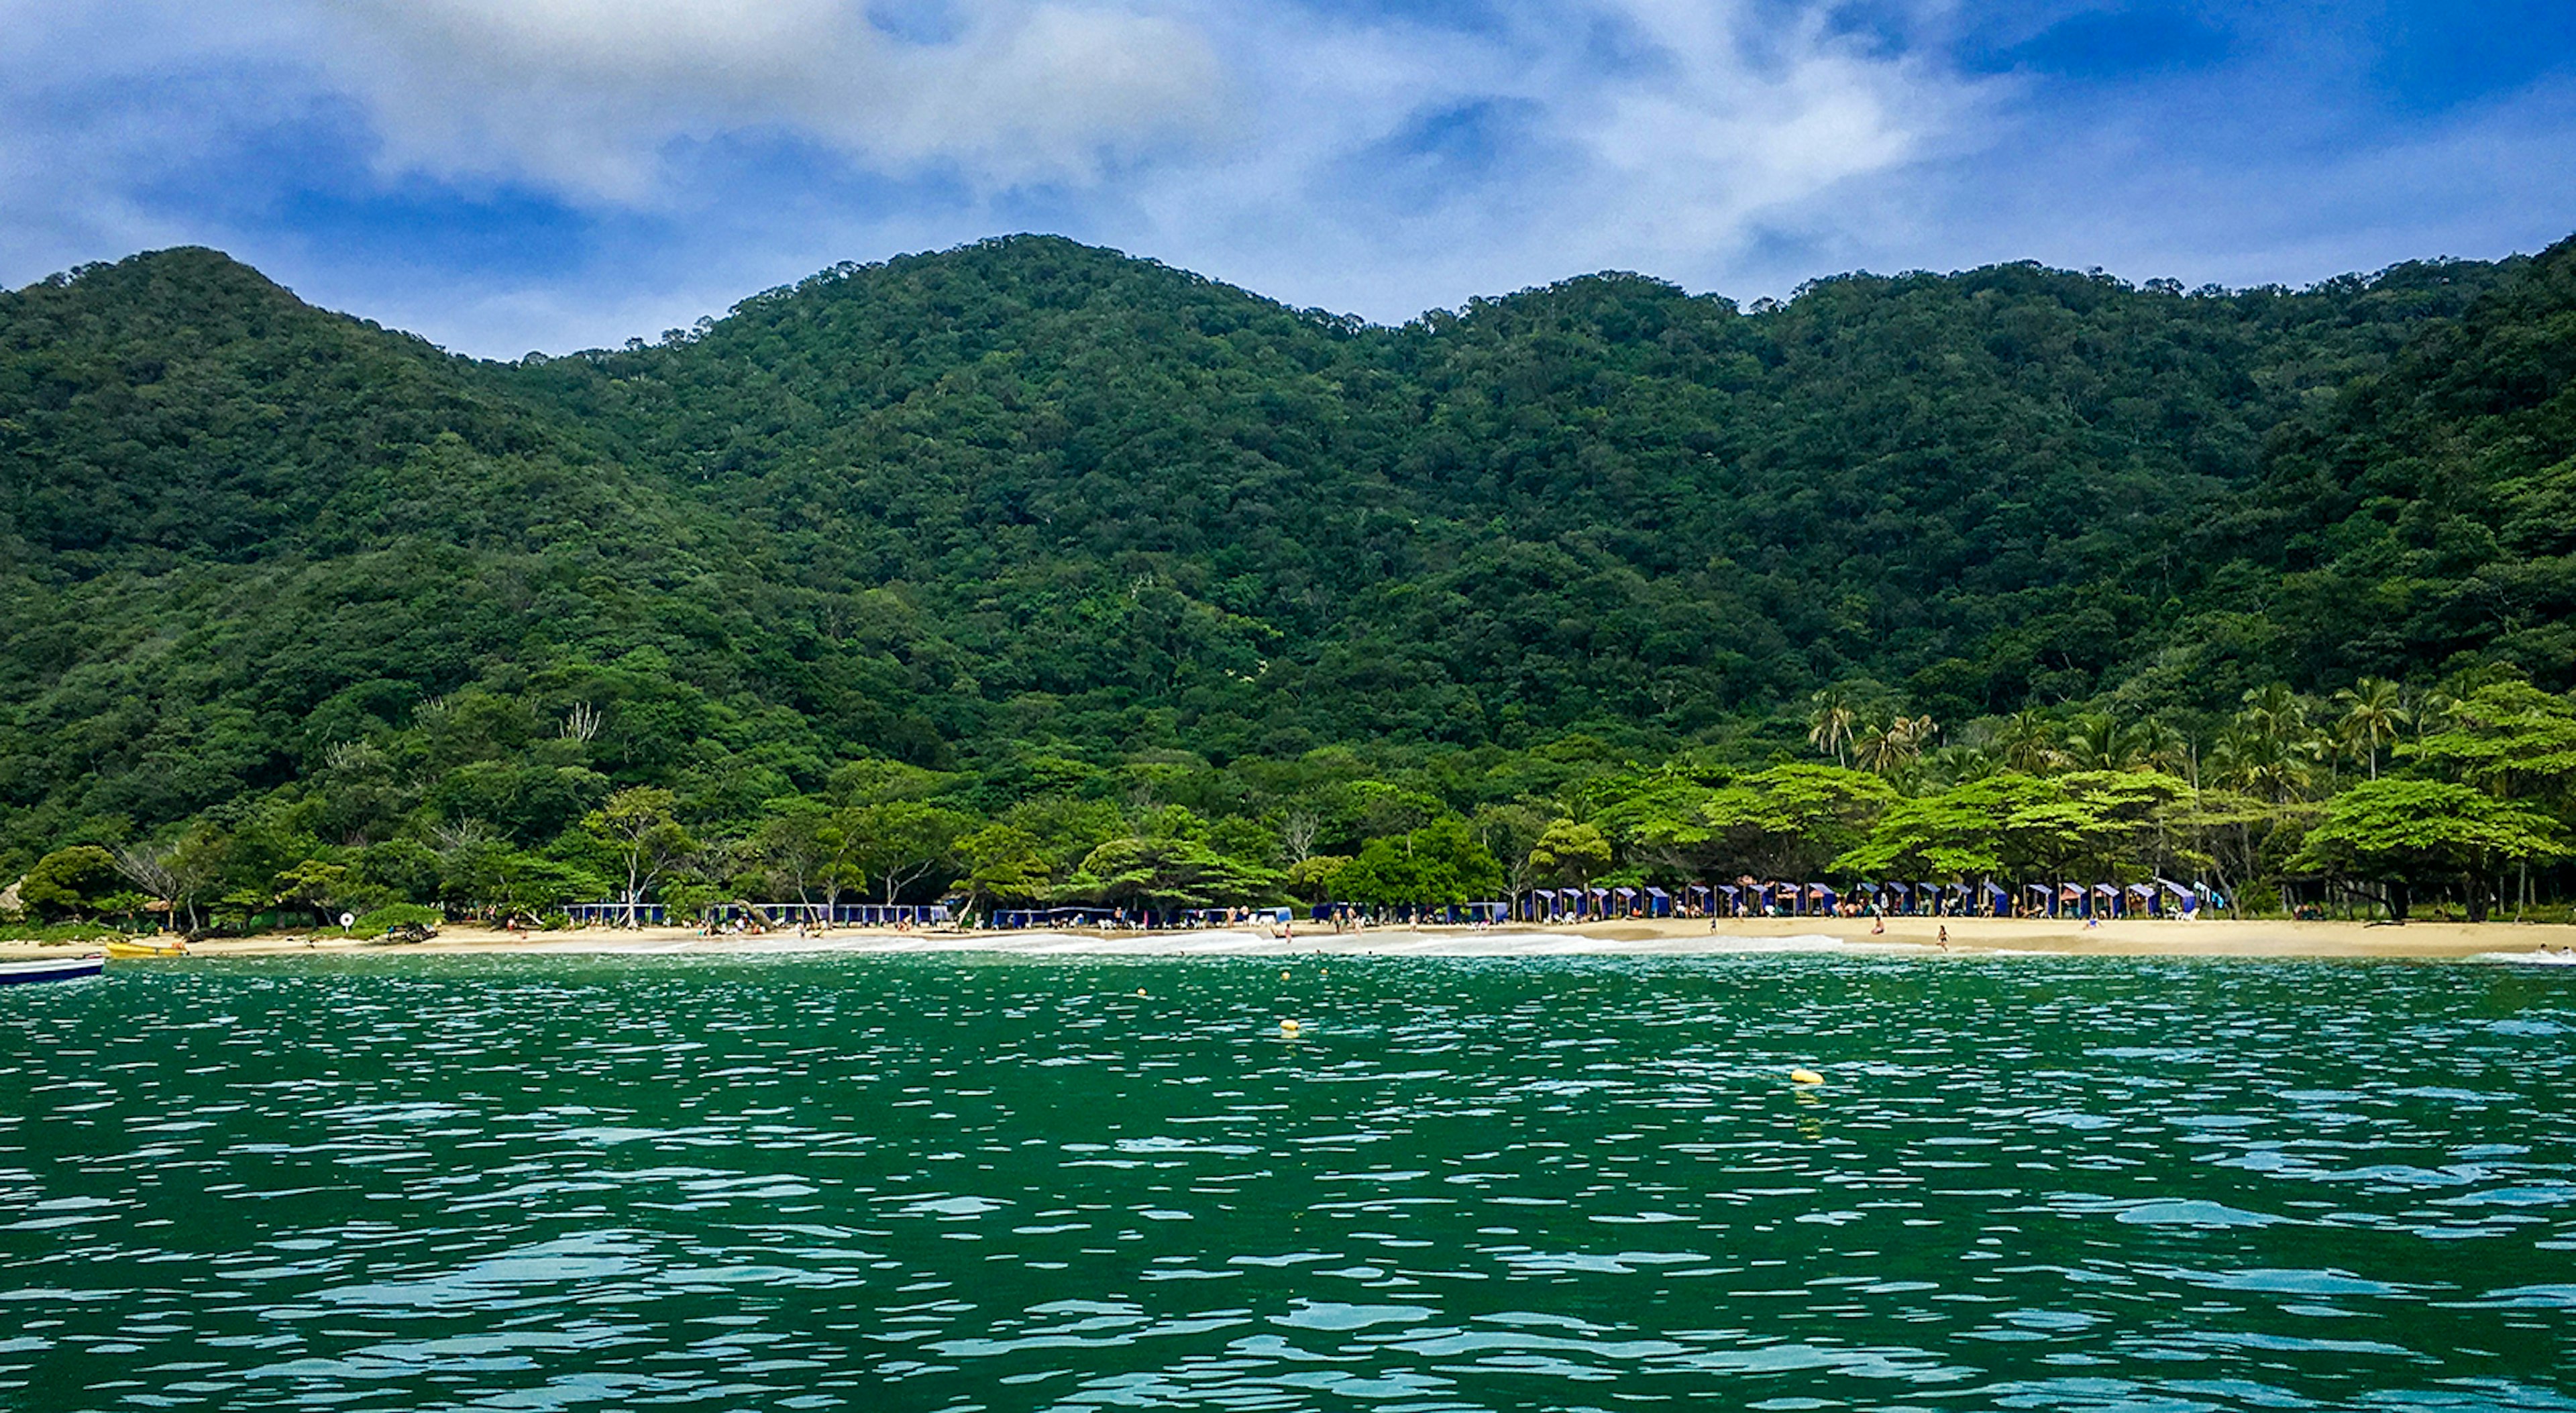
(507, 175)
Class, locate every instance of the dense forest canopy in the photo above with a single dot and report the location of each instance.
(1026, 550)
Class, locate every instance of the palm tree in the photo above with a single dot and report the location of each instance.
(2098, 742)
(1956, 764)
(2275, 711)
(2253, 762)
(1830, 723)
(1890, 748)
(2374, 711)
(1917, 730)
(2162, 747)
(2028, 742)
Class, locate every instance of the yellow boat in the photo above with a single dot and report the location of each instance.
(138, 948)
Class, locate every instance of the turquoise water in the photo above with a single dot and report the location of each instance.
(893, 1184)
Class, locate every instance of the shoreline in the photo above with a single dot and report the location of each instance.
(1661, 937)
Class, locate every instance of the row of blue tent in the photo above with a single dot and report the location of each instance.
(774, 914)
(1743, 898)
(1022, 919)
(1984, 899)
(1569, 904)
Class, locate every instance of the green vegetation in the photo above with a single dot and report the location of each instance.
(1029, 572)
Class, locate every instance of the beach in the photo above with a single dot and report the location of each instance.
(2425, 940)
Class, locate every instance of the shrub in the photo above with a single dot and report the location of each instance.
(386, 919)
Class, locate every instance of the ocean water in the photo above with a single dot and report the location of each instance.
(950, 1183)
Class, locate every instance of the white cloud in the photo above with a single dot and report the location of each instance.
(1358, 157)
(1651, 134)
(584, 96)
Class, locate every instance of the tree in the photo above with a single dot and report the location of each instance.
(877, 782)
(1169, 870)
(1793, 819)
(312, 884)
(1511, 833)
(641, 839)
(1963, 833)
(1570, 851)
(2374, 716)
(1441, 863)
(71, 882)
(1888, 749)
(797, 844)
(174, 874)
(2028, 742)
(2275, 711)
(2412, 832)
(1297, 832)
(2509, 737)
(1317, 877)
(898, 842)
(2097, 741)
(1004, 861)
(1830, 721)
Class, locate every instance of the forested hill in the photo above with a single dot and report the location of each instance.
(1030, 511)
(1603, 502)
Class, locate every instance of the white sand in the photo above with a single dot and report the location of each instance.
(1663, 937)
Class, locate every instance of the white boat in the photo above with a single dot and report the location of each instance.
(52, 969)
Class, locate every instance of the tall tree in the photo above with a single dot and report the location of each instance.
(641, 839)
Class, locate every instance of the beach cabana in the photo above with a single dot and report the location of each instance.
(1627, 899)
(1819, 893)
(1658, 903)
(654, 914)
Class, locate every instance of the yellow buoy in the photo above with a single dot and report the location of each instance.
(1805, 1077)
(1140, 990)
(1283, 976)
(1288, 1028)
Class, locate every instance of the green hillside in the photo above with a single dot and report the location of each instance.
(1038, 551)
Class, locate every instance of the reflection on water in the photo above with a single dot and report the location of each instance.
(1565, 1184)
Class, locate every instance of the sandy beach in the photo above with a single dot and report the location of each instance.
(1662, 937)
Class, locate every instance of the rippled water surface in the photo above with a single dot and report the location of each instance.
(889, 1184)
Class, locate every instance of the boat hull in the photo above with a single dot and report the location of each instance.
(66, 969)
(147, 949)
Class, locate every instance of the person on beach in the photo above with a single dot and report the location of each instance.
(1945, 937)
